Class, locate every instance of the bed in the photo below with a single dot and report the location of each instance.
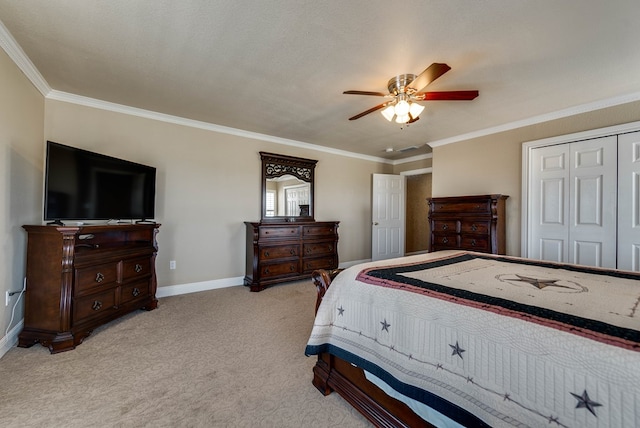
(463, 339)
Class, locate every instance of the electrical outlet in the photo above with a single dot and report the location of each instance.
(7, 299)
(172, 264)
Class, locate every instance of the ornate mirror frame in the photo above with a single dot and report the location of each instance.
(275, 166)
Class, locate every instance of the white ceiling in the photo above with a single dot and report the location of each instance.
(279, 67)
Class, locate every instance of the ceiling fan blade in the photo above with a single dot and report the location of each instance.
(446, 96)
(430, 74)
(371, 110)
(377, 94)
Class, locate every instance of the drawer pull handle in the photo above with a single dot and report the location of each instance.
(97, 305)
(473, 242)
(138, 268)
(292, 268)
(474, 227)
(99, 277)
(266, 254)
(445, 240)
(445, 226)
(266, 270)
(292, 252)
(135, 292)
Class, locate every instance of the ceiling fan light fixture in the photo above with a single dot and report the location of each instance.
(415, 110)
(402, 108)
(388, 112)
(402, 118)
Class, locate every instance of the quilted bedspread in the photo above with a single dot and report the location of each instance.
(492, 339)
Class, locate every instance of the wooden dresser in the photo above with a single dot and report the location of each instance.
(279, 252)
(475, 223)
(79, 278)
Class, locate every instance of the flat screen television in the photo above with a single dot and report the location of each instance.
(82, 185)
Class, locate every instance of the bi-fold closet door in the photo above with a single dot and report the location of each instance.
(583, 202)
(629, 201)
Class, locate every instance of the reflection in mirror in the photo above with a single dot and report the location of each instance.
(287, 187)
(287, 196)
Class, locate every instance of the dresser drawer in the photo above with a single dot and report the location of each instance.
(479, 227)
(329, 262)
(136, 268)
(319, 248)
(94, 305)
(475, 243)
(278, 252)
(462, 207)
(446, 241)
(318, 230)
(278, 232)
(90, 278)
(273, 270)
(446, 226)
(134, 291)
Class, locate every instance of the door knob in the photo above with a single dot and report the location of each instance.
(375, 223)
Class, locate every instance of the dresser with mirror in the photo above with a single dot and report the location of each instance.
(287, 244)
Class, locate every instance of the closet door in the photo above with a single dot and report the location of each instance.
(629, 201)
(549, 208)
(573, 194)
(593, 195)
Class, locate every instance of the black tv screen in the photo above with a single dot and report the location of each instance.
(83, 185)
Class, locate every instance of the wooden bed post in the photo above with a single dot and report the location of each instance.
(322, 279)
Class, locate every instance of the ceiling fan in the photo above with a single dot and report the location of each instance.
(406, 89)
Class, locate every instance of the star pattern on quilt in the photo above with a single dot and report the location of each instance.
(540, 283)
(585, 402)
(340, 311)
(457, 350)
(385, 325)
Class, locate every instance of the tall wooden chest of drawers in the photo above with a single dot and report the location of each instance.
(475, 223)
(279, 252)
(80, 277)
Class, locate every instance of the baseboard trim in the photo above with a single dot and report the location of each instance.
(11, 338)
(353, 263)
(194, 287)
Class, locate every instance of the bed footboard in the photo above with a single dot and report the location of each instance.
(334, 374)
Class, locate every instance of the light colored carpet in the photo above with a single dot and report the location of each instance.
(220, 358)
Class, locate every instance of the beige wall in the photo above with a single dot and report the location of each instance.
(493, 164)
(21, 161)
(208, 183)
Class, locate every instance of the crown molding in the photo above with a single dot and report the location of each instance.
(559, 114)
(148, 114)
(413, 158)
(15, 52)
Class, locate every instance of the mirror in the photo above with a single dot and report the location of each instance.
(287, 188)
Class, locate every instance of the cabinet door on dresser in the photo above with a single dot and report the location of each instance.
(474, 223)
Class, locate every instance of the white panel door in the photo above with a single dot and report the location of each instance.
(592, 229)
(573, 202)
(388, 218)
(549, 208)
(629, 201)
